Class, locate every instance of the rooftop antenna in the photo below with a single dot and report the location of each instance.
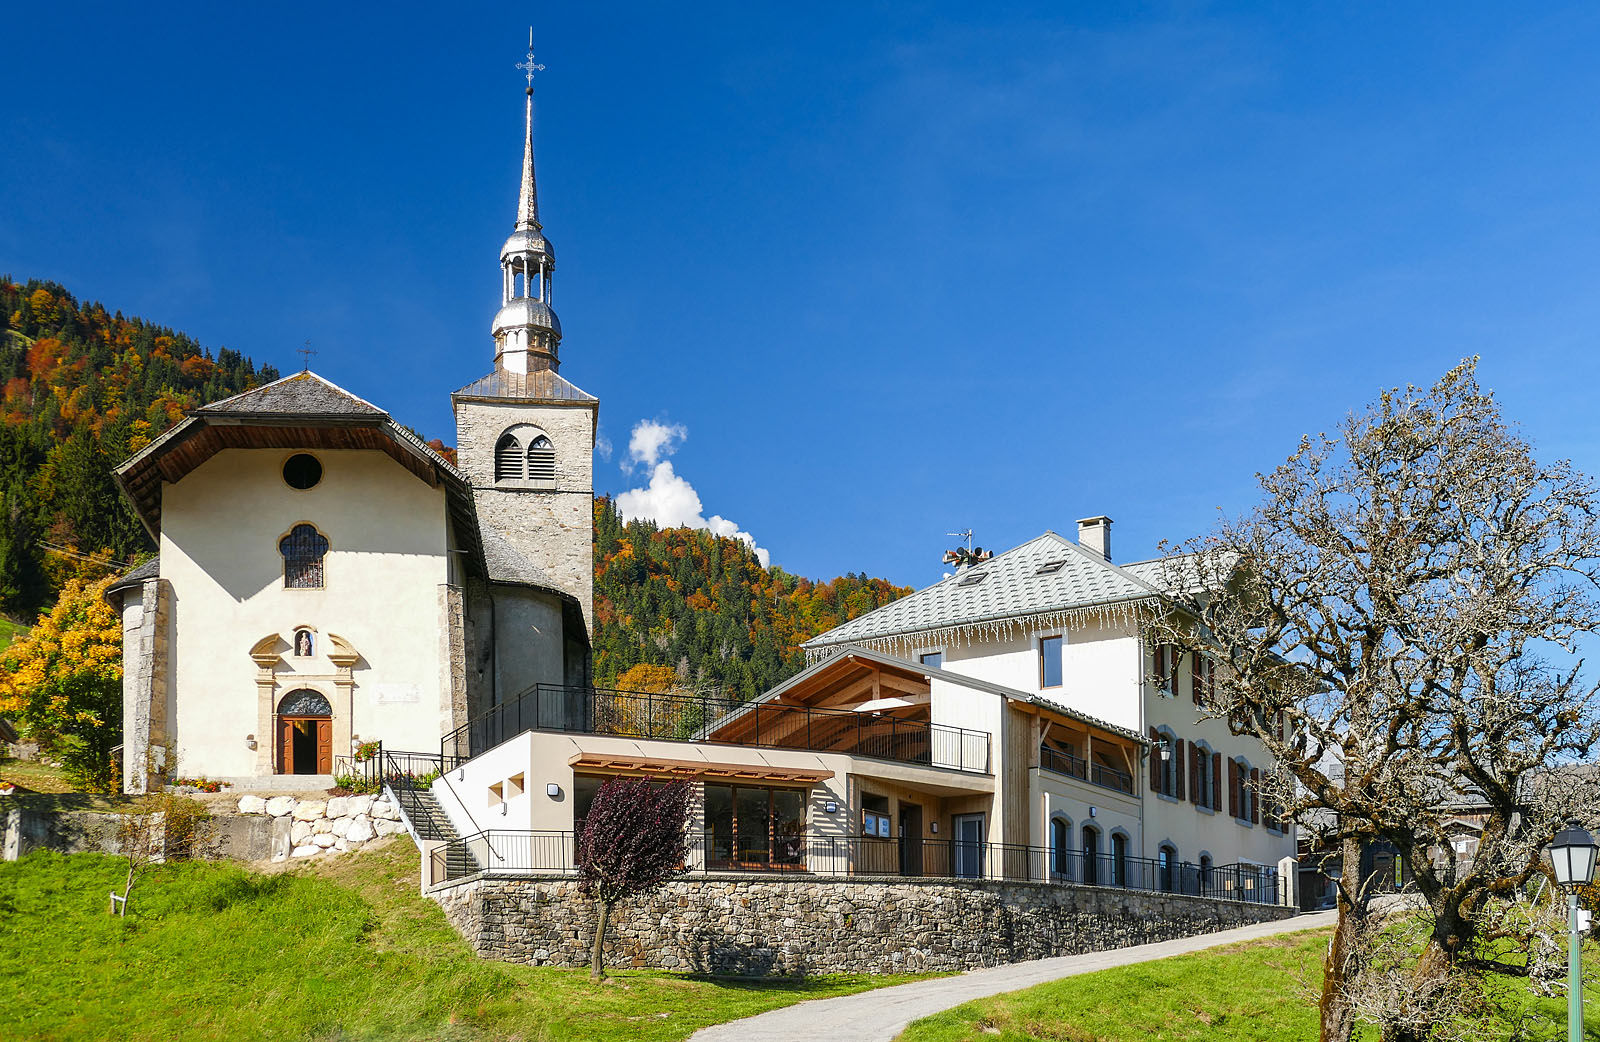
(306, 354)
(962, 556)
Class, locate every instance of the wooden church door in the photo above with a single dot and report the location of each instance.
(325, 746)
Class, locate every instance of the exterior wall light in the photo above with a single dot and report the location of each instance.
(552, 790)
(250, 740)
(1093, 811)
(934, 825)
(830, 807)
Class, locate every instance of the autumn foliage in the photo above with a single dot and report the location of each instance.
(702, 608)
(62, 683)
(85, 388)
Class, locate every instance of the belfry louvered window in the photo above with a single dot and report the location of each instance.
(508, 459)
(303, 550)
(541, 460)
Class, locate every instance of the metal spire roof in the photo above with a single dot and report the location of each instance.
(528, 201)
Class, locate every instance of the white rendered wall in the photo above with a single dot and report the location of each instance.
(385, 566)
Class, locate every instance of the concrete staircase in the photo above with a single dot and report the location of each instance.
(428, 823)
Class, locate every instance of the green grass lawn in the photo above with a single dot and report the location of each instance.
(1256, 992)
(11, 630)
(341, 950)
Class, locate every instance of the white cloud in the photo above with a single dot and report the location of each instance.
(652, 440)
(602, 445)
(669, 500)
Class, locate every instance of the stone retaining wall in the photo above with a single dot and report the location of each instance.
(758, 927)
(306, 828)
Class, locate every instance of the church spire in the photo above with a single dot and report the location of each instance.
(527, 334)
(528, 201)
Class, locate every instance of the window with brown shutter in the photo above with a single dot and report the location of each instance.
(1233, 787)
(1216, 782)
(1194, 773)
(1255, 796)
(1197, 670)
(1155, 760)
(1177, 769)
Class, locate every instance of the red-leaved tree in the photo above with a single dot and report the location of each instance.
(635, 838)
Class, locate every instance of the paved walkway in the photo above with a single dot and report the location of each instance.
(878, 1016)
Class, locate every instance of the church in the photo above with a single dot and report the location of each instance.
(325, 579)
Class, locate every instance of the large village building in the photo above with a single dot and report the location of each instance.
(326, 581)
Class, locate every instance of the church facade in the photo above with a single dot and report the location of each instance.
(324, 578)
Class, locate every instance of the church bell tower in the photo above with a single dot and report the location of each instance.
(524, 434)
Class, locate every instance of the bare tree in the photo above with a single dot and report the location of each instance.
(633, 840)
(1397, 622)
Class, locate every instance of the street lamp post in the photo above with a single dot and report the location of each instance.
(1572, 856)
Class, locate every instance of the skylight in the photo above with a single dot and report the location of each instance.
(972, 578)
(1050, 567)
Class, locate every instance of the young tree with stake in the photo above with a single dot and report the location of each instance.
(633, 840)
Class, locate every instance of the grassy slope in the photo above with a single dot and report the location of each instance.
(1256, 992)
(344, 949)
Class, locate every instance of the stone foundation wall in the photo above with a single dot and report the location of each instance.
(758, 927)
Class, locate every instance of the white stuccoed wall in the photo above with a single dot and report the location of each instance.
(385, 566)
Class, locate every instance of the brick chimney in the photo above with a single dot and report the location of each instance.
(1094, 535)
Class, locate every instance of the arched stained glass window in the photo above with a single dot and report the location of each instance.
(303, 550)
(541, 459)
(508, 459)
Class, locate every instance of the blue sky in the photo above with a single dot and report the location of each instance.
(895, 269)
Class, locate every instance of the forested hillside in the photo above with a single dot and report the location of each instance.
(83, 389)
(702, 606)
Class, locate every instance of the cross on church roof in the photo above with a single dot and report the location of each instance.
(530, 65)
(306, 353)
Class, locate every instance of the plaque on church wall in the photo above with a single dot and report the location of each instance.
(398, 694)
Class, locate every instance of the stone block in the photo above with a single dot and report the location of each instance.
(321, 826)
(382, 808)
(280, 805)
(360, 830)
(299, 832)
(252, 805)
(358, 805)
(324, 839)
(337, 807)
(305, 851)
(386, 827)
(310, 810)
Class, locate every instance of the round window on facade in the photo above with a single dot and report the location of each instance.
(302, 471)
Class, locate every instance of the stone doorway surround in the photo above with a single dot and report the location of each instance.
(273, 681)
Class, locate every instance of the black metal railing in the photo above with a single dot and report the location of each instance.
(1103, 775)
(693, 718)
(872, 858)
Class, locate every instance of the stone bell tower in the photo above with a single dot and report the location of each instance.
(524, 434)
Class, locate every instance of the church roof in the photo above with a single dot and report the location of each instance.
(1046, 576)
(303, 394)
(302, 411)
(542, 385)
(506, 564)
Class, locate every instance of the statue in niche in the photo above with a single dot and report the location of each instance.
(303, 647)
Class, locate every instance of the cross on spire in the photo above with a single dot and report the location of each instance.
(306, 353)
(530, 65)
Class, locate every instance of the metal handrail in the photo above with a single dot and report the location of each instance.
(704, 719)
(1103, 775)
(873, 858)
(392, 759)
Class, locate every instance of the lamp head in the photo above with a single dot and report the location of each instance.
(1572, 856)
